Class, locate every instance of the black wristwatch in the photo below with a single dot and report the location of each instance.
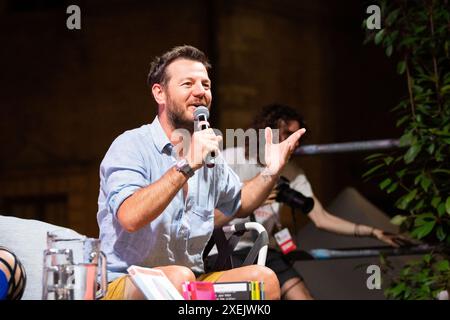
(184, 167)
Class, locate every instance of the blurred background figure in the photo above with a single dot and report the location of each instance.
(287, 120)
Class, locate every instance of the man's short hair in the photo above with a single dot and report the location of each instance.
(157, 73)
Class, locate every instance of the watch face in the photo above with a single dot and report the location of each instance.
(184, 167)
(181, 163)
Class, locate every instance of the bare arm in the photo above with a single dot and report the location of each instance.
(221, 219)
(324, 220)
(254, 193)
(148, 203)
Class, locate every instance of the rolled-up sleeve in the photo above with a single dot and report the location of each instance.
(124, 172)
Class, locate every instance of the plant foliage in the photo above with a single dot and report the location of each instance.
(417, 34)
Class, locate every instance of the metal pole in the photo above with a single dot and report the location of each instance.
(327, 254)
(347, 146)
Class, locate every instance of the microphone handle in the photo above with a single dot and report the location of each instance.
(209, 159)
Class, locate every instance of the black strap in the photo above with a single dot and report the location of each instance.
(261, 241)
(254, 233)
(217, 238)
(225, 248)
(208, 247)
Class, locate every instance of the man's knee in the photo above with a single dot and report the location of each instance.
(271, 283)
(185, 273)
(178, 274)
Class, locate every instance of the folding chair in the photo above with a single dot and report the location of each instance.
(226, 239)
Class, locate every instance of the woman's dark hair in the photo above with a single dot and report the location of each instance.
(272, 116)
(157, 73)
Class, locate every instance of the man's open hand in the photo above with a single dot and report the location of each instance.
(277, 154)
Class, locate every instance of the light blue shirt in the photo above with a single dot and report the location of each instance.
(136, 159)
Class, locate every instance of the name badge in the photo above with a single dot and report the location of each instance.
(284, 241)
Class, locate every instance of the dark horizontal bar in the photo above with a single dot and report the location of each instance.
(347, 147)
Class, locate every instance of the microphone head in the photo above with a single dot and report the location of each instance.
(201, 110)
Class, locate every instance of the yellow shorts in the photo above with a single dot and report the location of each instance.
(116, 288)
(210, 277)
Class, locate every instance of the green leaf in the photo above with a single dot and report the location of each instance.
(440, 233)
(443, 265)
(373, 156)
(444, 89)
(406, 140)
(419, 117)
(385, 183)
(447, 205)
(392, 188)
(441, 171)
(419, 29)
(398, 289)
(438, 156)
(401, 173)
(441, 209)
(402, 120)
(408, 292)
(425, 183)
(423, 230)
(405, 271)
(398, 220)
(372, 170)
(392, 17)
(401, 67)
(424, 218)
(427, 259)
(406, 199)
(379, 36)
(407, 41)
(389, 50)
(388, 160)
(417, 179)
(418, 206)
(435, 201)
(430, 148)
(412, 153)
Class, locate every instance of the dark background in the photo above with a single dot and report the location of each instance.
(66, 94)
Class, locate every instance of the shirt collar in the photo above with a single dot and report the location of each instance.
(159, 136)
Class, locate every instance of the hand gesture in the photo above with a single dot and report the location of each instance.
(277, 154)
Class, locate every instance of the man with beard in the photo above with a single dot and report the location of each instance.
(157, 199)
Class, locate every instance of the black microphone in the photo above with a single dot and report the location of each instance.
(201, 113)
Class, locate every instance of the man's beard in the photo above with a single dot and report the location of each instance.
(177, 118)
